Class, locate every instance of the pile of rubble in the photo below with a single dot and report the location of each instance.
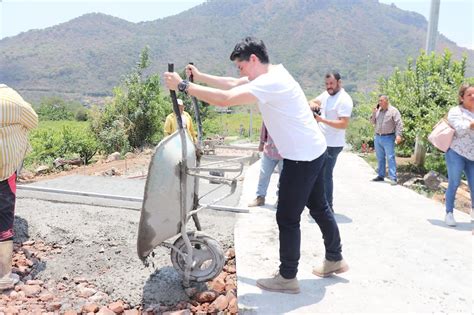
(32, 296)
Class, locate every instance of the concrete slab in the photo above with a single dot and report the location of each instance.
(402, 257)
(119, 186)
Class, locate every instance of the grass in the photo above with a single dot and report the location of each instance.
(58, 125)
(238, 124)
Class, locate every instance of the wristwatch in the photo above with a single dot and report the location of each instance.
(183, 86)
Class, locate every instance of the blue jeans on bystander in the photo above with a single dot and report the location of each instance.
(385, 149)
(266, 170)
(456, 164)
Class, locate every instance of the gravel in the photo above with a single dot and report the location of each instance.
(99, 244)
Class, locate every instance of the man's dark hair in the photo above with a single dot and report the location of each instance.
(249, 46)
(336, 75)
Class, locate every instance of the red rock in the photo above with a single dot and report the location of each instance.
(230, 269)
(231, 294)
(230, 253)
(46, 297)
(206, 296)
(218, 284)
(117, 307)
(21, 296)
(105, 311)
(13, 295)
(11, 310)
(90, 307)
(31, 290)
(131, 312)
(70, 312)
(233, 306)
(54, 306)
(86, 292)
(230, 287)
(34, 282)
(219, 304)
(180, 312)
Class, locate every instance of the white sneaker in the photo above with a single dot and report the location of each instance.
(449, 219)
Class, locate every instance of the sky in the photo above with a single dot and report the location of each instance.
(456, 20)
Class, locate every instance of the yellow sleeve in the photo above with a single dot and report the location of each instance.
(191, 130)
(168, 128)
(28, 118)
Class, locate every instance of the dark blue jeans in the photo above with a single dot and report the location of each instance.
(302, 184)
(333, 152)
(7, 207)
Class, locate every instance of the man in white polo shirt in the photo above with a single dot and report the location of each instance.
(335, 107)
(299, 140)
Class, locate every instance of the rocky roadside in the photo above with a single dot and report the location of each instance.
(32, 296)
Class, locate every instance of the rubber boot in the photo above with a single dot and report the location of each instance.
(7, 279)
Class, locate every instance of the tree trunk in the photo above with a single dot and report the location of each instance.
(420, 152)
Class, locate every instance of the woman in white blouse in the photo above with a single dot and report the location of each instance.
(460, 155)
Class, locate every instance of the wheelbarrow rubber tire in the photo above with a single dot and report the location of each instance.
(208, 257)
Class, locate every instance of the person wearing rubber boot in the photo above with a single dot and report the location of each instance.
(299, 140)
(17, 117)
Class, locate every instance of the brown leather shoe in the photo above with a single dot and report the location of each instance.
(279, 284)
(329, 267)
(259, 201)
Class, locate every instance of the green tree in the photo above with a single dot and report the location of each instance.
(136, 115)
(54, 108)
(423, 93)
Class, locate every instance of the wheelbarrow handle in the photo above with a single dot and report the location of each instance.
(175, 101)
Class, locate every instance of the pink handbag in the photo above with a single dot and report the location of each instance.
(442, 135)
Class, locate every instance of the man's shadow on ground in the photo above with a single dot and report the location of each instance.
(460, 226)
(312, 291)
(340, 218)
(21, 230)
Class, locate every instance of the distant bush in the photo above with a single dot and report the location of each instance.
(61, 139)
(54, 108)
(81, 114)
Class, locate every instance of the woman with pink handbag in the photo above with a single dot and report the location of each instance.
(460, 155)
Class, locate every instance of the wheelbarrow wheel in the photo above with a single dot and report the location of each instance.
(207, 257)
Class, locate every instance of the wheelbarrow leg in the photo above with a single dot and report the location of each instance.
(196, 222)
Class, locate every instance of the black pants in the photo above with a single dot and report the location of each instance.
(7, 207)
(302, 184)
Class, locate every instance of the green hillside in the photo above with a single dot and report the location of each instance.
(83, 59)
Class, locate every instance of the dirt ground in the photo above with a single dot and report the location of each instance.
(462, 201)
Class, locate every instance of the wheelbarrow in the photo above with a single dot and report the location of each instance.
(171, 198)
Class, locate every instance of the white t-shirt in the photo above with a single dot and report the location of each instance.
(333, 107)
(287, 115)
(184, 120)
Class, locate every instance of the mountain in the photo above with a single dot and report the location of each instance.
(85, 58)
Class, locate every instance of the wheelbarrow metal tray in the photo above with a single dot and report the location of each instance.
(160, 215)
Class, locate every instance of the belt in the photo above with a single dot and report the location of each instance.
(385, 134)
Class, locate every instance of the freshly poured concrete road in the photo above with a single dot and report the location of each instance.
(402, 256)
